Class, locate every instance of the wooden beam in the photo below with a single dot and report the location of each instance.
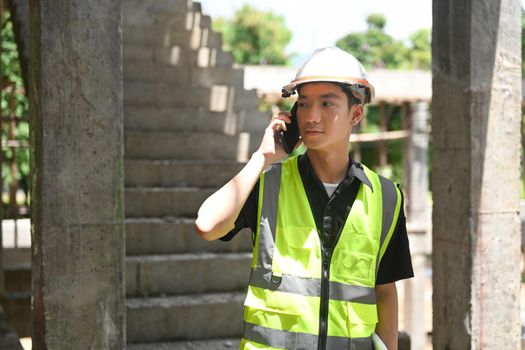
(381, 136)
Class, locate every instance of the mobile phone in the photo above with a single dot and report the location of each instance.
(290, 136)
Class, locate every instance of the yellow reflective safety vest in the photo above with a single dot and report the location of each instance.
(291, 282)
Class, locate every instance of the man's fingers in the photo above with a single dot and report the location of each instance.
(278, 125)
(285, 116)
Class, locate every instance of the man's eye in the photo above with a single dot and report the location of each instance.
(327, 104)
(301, 104)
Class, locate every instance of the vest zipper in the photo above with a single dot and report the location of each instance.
(326, 257)
(324, 300)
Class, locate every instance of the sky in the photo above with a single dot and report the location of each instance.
(317, 23)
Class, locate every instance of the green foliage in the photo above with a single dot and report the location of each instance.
(255, 37)
(370, 151)
(376, 21)
(13, 104)
(420, 50)
(376, 48)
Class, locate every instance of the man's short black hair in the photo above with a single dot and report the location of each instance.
(352, 100)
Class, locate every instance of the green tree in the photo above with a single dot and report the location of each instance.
(255, 37)
(376, 21)
(420, 54)
(375, 48)
(13, 104)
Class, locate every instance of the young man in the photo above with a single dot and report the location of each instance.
(330, 238)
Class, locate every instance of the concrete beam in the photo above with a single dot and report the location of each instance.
(476, 115)
(76, 120)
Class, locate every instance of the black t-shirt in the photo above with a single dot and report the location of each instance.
(330, 214)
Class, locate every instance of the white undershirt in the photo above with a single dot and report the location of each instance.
(330, 188)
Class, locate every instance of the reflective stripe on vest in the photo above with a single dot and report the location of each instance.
(289, 340)
(282, 303)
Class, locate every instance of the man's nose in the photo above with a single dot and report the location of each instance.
(313, 114)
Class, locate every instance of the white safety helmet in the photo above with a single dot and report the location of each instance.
(332, 64)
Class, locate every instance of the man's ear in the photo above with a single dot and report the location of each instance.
(357, 113)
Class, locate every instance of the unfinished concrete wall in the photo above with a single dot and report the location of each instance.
(76, 118)
(476, 113)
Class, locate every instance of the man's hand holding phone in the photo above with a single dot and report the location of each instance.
(276, 142)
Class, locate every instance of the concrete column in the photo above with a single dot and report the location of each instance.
(414, 307)
(76, 120)
(418, 224)
(476, 114)
(418, 164)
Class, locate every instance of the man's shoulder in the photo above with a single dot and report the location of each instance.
(382, 178)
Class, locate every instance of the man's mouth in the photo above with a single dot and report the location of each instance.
(313, 132)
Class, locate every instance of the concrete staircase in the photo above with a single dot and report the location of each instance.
(189, 125)
(16, 301)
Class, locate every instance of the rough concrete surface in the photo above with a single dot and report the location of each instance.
(76, 117)
(476, 114)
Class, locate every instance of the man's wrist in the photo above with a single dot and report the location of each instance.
(259, 160)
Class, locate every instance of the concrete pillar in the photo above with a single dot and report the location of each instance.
(418, 224)
(417, 211)
(476, 114)
(414, 306)
(76, 120)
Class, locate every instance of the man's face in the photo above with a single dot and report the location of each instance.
(324, 119)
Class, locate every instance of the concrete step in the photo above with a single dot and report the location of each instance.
(145, 118)
(184, 77)
(176, 173)
(159, 236)
(17, 307)
(190, 146)
(169, 274)
(217, 98)
(160, 202)
(216, 344)
(17, 278)
(9, 340)
(141, 12)
(177, 56)
(185, 20)
(187, 317)
(16, 256)
(164, 35)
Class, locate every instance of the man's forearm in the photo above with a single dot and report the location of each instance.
(217, 214)
(387, 311)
